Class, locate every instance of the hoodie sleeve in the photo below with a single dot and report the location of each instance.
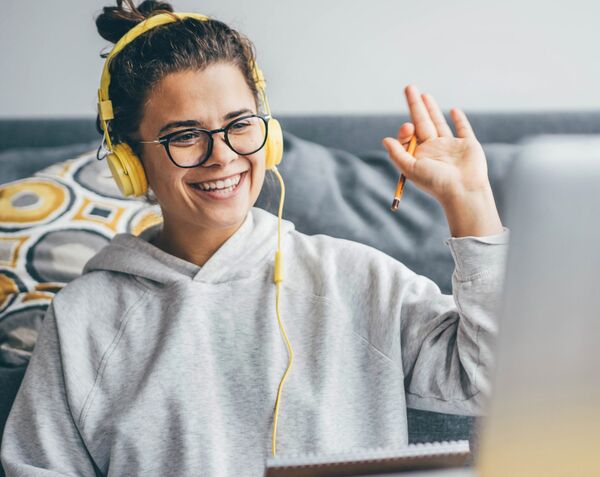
(446, 341)
(41, 437)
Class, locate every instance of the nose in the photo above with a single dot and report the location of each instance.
(221, 154)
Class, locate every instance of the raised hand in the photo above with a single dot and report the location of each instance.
(451, 169)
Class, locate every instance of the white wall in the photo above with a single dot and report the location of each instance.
(322, 56)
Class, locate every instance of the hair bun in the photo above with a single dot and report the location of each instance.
(114, 22)
(152, 7)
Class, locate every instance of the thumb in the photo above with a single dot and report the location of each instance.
(399, 156)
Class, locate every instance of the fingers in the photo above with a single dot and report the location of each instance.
(406, 131)
(429, 121)
(463, 127)
(403, 159)
(437, 117)
(424, 126)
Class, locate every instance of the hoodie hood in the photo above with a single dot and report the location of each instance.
(250, 247)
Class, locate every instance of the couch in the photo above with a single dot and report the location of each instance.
(339, 181)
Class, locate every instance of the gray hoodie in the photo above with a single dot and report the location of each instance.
(150, 365)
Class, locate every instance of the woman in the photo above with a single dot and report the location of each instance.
(165, 357)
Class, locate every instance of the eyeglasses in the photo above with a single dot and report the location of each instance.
(192, 147)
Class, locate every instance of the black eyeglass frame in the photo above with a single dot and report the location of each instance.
(165, 140)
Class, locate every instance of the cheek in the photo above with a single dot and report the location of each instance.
(259, 171)
(161, 177)
(149, 163)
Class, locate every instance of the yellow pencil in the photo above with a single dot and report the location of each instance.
(412, 145)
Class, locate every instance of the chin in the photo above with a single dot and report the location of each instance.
(227, 219)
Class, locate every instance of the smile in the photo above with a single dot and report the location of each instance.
(221, 189)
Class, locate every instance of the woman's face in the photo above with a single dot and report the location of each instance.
(204, 99)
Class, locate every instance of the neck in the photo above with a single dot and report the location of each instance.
(195, 245)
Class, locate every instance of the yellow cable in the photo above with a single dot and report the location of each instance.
(277, 279)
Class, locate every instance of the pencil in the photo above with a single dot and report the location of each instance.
(400, 186)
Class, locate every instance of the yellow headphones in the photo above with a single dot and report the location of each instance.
(125, 166)
(127, 170)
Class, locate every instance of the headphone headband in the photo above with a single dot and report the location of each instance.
(105, 108)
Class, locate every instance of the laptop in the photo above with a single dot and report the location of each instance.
(543, 418)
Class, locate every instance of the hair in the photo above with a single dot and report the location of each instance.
(187, 44)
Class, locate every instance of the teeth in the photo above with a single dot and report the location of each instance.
(227, 183)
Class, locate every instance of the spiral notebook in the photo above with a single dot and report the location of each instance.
(434, 455)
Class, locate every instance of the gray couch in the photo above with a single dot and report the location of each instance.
(343, 189)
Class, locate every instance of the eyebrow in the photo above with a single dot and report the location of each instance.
(194, 123)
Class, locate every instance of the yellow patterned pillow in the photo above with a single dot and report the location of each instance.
(51, 224)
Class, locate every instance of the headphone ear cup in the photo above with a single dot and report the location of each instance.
(274, 145)
(127, 171)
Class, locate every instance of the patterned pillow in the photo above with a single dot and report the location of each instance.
(50, 225)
